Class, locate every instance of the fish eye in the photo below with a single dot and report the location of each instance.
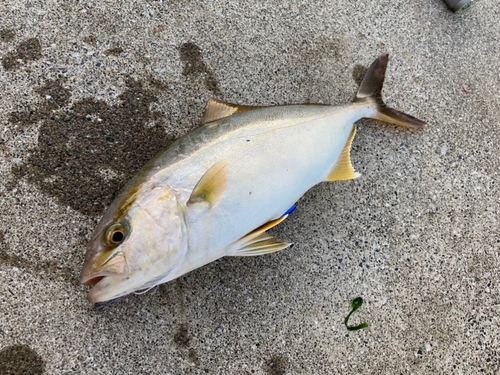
(115, 234)
(117, 237)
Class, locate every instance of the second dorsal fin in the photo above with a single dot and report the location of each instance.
(217, 109)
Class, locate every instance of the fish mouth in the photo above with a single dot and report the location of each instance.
(101, 281)
(105, 278)
(96, 278)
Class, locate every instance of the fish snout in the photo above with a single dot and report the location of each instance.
(101, 263)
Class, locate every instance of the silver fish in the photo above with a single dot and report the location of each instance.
(216, 191)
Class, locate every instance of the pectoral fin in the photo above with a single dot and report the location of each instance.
(217, 110)
(211, 186)
(258, 242)
(343, 169)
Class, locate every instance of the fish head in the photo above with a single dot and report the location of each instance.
(136, 245)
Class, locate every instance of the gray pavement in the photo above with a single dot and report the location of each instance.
(91, 90)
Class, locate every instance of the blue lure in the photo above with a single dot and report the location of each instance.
(289, 211)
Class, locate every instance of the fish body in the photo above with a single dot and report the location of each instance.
(216, 191)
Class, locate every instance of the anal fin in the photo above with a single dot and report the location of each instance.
(258, 242)
(343, 170)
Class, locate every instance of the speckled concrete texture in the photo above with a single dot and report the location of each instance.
(90, 90)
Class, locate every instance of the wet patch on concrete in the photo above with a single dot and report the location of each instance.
(56, 96)
(90, 39)
(43, 269)
(116, 51)
(7, 35)
(27, 50)
(77, 142)
(194, 66)
(193, 356)
(276, 365)
(48, 270)
(160, 28)
(181, 337)
(20, 359)
(320, 48)
(324, 54)
(9, 62)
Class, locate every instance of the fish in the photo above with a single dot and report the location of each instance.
(218, 190)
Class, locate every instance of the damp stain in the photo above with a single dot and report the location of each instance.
(55, 96)
(193, 356)
(7, 35)
(78, 142)
(358, 73)
(182, 300)
(20, 359)
(181, 337)
(49, 270)
(194, 66)
(54, 93)
(159, 28)
(90, 39)
(3, 245)
(276, 365)
(325, 56)
(320, 48)
(43, 269)
(116, 51)
(27, 50)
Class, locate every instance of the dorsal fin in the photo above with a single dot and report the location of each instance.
(212, 185)
(343, 169)
(217, 109)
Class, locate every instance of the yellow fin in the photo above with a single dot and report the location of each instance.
(266, 245)
(212, 185)
(258, 242)
(217, 109)
(343, 169)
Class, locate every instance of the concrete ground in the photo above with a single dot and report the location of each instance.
(92, 90)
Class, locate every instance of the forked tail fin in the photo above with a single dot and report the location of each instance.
(370, 90)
